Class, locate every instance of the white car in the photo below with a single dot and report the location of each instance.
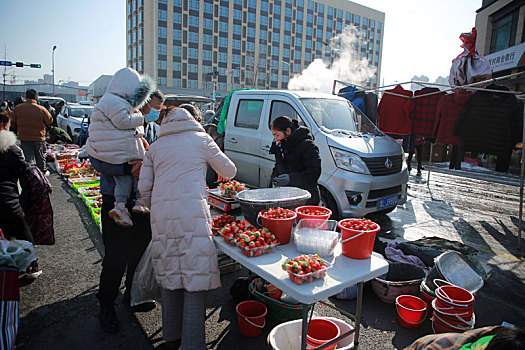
(70, 119)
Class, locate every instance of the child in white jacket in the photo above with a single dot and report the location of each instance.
(115, 136)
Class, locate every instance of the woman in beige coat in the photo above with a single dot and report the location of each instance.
(173, 179)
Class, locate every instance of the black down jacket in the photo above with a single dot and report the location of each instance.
(490, 122)
(300, 159)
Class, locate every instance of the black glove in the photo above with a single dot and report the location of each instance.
(281, 180)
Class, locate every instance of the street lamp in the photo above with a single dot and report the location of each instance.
(53, 66)
(232, 72)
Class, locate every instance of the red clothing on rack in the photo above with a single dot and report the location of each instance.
(392, 112)
(423, 112)
(447, 114)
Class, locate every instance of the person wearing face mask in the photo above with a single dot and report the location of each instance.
(151, 112)
(297, 160)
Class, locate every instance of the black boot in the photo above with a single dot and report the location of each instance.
(108, 318)
(169, 345)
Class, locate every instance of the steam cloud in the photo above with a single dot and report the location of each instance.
(319, 76)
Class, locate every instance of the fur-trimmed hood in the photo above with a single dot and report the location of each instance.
(7, 139)
(132, 87)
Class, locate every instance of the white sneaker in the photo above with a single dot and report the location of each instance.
(121, 215)
(140, 207)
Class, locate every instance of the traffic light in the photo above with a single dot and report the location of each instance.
(19, 64)
(35, 65)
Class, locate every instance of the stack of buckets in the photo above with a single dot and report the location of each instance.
(453, 310)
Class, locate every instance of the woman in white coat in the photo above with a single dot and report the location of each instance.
(173, 179)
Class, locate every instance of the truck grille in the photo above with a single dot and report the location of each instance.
(377, 165)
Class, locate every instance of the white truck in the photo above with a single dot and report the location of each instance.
(363, 170)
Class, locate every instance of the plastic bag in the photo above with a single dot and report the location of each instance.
(144, 287)
(17, 253)
(469, 66)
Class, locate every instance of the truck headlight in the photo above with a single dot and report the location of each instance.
(349, 161)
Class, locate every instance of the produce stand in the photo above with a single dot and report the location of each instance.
(345, 273)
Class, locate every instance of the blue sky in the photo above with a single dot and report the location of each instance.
(421, 36)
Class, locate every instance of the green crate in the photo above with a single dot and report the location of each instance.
(278, 311)
(95, 213)
(85, 184)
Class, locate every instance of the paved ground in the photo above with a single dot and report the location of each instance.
(59, 309)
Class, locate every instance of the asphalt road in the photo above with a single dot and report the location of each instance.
(59, 310)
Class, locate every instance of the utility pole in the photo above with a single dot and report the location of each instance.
(53, 66)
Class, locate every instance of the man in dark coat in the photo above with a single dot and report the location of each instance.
(297, 161)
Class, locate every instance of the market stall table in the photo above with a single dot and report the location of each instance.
(346, 272)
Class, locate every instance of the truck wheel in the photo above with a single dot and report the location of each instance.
(328, 201)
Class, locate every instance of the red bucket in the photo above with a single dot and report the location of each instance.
(411, 311)
(312, 209)
(280, 228)
(444, 324)
(251, 315)
(322, 331)
(357, 244)
(454, 296)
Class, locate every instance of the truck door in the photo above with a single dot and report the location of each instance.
(243, 138)
(279, 106)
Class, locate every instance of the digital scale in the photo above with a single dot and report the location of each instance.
(216, 200)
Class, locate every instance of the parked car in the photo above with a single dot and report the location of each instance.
(363, 170)
(51, 99)
(71, 118)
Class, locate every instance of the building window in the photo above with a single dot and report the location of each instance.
(276, 9)
(308, 44)
(251, 32)
(224, 11)
(208, 23)
(300, 14)
(206, 55)
(161, 64)
(296, 67)
(193, 37)
(223, 27)
(286, 53)
(300, 4)
(348, 16)
(297, 55)
(357, 20)
(264, 20)
(310, 5)
(194, 21)
(193, 84)
(379, 25)
(161, 81)
(287, 26)
(236, 44)
(309, 18)
(365, 21)
(207, 8)
(330, 11)
(320, 8)
(309, 31)
(263, 35)
(193, 68)
(320, 21)
(251, 17)
(262, 48)
(307, 57)
(236, 29)
(250, 47)
(276, 23)
(223, 57)
(298, 29)
(162, 49)
(288, 12)
(163, 15)
(223, 42)
(339, 26)
(252, 4)
(275, 50)
(176, 52)
(177, 18)
(237, 14)
(275, 37)
(504, 32)
(236, 59)
(329, 24)
(264, 6)
(193, 53)
(176, 66)
(319, 34)
(298, 42)
(194, 5)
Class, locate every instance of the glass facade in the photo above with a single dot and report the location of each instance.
(242, 40)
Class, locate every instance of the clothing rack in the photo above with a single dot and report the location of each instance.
(520, 95)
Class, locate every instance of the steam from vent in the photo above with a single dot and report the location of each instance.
(319, 76)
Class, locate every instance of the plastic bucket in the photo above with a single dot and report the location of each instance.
(281, 228)
(322, 331)
(301, 216)
(441, 325)
(427, 298)
(357, 244)
(287, 336)
(411, 311)
(454, 296)
(251, 315)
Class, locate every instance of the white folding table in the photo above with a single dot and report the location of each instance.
(345, 272)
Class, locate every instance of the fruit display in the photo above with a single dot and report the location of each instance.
(255, 242)
(314, 212)
(305, 268)
(230, 189)
(359, 224)
(95, 202)
(219, 222)
(277, 213)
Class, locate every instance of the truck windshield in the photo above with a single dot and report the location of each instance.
(339, 116)
(80, 112)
